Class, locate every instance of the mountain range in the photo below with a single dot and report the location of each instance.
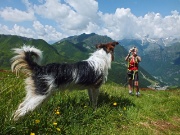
(76, 48)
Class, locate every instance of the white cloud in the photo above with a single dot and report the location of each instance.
(16, 15)
(46, 32)
(86, 8)
(52, 9)
(123, 24)
(17, 30)
(39, 31)
(154, 25)
(71, 17)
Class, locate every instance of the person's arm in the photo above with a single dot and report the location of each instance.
(127, 57)
(139, 58)
(129, 54)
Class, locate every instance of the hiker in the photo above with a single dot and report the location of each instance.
(132, 72)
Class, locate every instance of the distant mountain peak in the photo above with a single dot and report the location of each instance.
(160, 41)
(90, 39)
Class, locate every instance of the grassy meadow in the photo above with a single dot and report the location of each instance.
(69, 113)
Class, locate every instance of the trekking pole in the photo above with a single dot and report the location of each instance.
(133, 81)
(133, 85)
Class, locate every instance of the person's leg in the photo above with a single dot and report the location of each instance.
(136, 84)
(130, 86)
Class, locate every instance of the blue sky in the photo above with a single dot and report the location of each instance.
(53, 20)
(141, 7)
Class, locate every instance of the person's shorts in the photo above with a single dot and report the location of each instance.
(133, 75)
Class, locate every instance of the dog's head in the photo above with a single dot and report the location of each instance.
(108, 47)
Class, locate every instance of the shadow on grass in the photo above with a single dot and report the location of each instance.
(105, 98)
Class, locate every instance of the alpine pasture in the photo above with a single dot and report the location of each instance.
(69, 113)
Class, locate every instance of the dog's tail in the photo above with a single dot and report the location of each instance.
(27, 59)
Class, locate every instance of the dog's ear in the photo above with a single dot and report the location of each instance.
(105, 45)
(110, 46)
(98, 46)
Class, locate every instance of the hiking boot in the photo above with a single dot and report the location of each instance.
(137, 94)
(130, 93)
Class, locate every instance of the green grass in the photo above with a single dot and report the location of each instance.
(154, 113)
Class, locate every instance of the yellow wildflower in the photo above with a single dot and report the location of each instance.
(57, 109)
(32, 133)
(37, 121)
(115, 104)
(124, 108)
(57, 112)
(58, 129)
(55, 123)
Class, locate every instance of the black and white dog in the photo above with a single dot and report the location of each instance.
(42, 80)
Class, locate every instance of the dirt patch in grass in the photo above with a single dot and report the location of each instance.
(160, 126)
(164, 125)
(177, 121)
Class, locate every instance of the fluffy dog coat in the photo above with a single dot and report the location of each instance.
(42, 80)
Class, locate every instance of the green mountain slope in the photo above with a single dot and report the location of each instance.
(72, 52)
(7, 42)
(89, 39)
